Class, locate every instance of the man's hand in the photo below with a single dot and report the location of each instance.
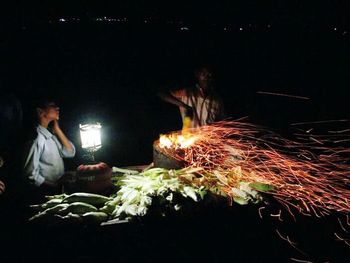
(2, 187)
(59, 133)
(56, 127)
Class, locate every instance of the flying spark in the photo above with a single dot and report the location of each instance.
(283, 95)
(309, 177)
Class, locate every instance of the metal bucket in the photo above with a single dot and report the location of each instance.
(160, 159)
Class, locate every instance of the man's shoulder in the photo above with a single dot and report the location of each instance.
(34, 137)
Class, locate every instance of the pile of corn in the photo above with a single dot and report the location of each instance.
(77, 207)
(138, 192)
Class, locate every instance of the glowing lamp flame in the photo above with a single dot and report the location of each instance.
(90, 135)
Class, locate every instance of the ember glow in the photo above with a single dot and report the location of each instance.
(309, 177)
(177, 141)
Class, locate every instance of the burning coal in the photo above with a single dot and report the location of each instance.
(309, 177)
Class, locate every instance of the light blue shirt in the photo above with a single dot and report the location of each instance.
(44, 160)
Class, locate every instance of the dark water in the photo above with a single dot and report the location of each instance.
(111, 74)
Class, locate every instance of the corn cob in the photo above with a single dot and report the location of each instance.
(48, 204)
(61, 196)
(92, 199)
(56, 209)
(95, 217)
(70, 217)
(78, 208)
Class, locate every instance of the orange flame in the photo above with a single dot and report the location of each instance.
(177, 141)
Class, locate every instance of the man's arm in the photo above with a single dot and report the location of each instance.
(68, 150)
(168, 97)
(60, 135)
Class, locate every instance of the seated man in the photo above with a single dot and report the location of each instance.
(43, 164)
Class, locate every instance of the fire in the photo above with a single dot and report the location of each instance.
(177, 141)
(182, 139)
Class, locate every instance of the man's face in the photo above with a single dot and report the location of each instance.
(204, 76)
(52, 111)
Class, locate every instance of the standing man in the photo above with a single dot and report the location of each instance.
(199, 105)
(44, 155)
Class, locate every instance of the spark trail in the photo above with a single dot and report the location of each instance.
(308, 176)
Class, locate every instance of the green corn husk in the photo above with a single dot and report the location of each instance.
(60, 196)
(48, 204)
(262, 187)
(95, 217)
(78, 208)
(69, 218)
(92, 199)
(53, 210)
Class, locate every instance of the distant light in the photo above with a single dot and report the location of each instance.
(240, 29)
(145, 21)
(225, 28)
(344, 33)
(62, 20)
(335, 29)
(268, 25)
(184, 28)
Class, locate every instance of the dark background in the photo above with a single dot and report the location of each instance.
(110, 71)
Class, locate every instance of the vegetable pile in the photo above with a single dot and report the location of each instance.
(155, 191)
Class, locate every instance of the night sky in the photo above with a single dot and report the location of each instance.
(329, 11)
